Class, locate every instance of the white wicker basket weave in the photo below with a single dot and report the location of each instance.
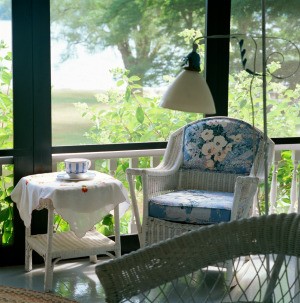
(264, 252)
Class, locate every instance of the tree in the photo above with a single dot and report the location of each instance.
(5, 9)
(145, 32)
(281, 17)
(282, 26)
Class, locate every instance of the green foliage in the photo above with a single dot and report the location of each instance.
(284, 181)
(283, 108)
(6, 108)
(6, 205)
(131, 114)
(60, 225)
(6, 137)
(106, 226)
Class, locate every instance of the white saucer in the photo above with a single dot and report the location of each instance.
(75, 177)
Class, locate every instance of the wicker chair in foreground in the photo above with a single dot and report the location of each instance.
(265, 252)
(209, 174)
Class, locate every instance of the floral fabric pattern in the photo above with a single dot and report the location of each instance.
(192, 206)
(220, 145)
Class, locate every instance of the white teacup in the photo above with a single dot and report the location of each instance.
(77, 166)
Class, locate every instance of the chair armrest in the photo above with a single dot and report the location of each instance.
(155, 181)
(150, 171)
(134, 171)
(245, 190)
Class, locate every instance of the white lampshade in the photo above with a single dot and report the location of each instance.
(189, 93)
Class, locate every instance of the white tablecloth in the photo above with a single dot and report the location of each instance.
(81, 203)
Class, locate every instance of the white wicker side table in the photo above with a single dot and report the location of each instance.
(82, 203)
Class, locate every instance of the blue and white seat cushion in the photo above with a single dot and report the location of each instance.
(220, 145)
(192, 206)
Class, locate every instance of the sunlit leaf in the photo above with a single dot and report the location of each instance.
(243, 103)
(108, 220)
(4, 214)
(127, 94)
(134, 78)
(120, 82)
(140, 115)
(105, 230)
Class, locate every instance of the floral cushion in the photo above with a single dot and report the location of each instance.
(221, 145)
(192, 206)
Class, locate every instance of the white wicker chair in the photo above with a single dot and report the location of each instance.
(209, 174)
(265, 252)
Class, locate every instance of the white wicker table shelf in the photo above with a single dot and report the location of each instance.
(82, 204)
(66, 245)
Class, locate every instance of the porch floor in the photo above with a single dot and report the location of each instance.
(73, 279)
(77, 280)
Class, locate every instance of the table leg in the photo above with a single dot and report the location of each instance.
(48, 261)
(117, 231)
(28, 250)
